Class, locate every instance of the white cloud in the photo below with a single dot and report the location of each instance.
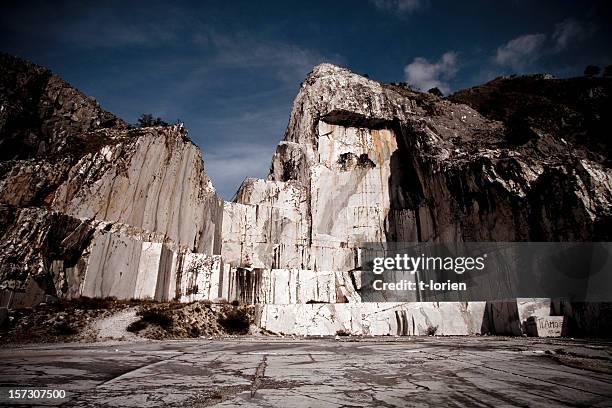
(570, 31)
(521, 51)
(426, 75)
(400, 6)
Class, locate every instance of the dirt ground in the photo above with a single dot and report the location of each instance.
(269, 371)
(106, 352)
(89, 320)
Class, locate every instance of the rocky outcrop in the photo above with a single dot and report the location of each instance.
(44, 129)
(34, 242)
(382, 163)
(548, 115)
(94, 208)
(150, 178)
(43, 116)
(445, 172)
(47, 252)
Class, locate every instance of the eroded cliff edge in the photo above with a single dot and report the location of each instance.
(92, 207)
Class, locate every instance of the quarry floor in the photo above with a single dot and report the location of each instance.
(341, 372)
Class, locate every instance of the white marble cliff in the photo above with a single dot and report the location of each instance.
(130, 213)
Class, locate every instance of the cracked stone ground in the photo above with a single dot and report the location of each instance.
(258, 372)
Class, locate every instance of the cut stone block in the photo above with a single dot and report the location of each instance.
(377, 319)
(509, 317)
(548, 326)
(200, 277)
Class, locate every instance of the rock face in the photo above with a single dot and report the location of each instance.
(436, 170)
(380, 163)
(152, 179)
(91, 207)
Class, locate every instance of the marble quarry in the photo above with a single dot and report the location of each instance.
(90, 206)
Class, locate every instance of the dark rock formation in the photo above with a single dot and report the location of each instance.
(43, 116)
(549, 115)
(45, 127)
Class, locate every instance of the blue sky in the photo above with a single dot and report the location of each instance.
(230, 69)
